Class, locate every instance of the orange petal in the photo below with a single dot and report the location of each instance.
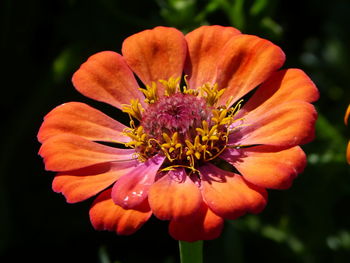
(267, 169)
(106, 215)
(247, 61)
(81, 184)
(132, 188)
(174, 196)
(205, 46)
(156, 54)
(106, 77)
(285, 126)
(67, 152)
(204, 225)
(228, 195)
(283, 86)
(82, 120)
(347, 114)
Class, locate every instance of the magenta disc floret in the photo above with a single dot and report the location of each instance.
(181, 113)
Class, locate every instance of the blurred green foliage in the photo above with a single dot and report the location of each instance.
(44, 42)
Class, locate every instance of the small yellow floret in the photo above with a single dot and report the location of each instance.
(212, 93)
(134, 110)
(150, 93)
(171, 85)
(171, 144)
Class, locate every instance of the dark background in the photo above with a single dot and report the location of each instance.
(44, 42)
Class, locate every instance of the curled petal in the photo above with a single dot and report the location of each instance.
(156, 54)
(106, 215)
(82, 120)
(67, 152)
(285, 126)
(132, 188)
(78, 185)
(265, 168)
(283, 86)
(106, 77)
(205, 45)
(174, 196)
(229, 195)
(247, 62)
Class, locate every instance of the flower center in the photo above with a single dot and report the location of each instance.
(181, 113)
(185, 126)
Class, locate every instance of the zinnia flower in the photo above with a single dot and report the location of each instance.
(213, 98)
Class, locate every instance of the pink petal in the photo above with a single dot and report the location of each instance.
(132, 188)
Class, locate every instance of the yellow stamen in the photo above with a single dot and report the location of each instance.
(171, 85)
(150, 93)
(212, 93)
(172, 144)
(134, 109)
(138, 137)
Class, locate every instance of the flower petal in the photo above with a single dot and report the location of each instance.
(78, 185)
(156, 54)
(228, 194)
(67, 152)
(132, 188)
(283, 86)
(347, 114)
(266, 169)
(247, 62)
(204, 225)
(82, 120)
(205, 45)
(174, 196)
(106, 77)
(106, 215)
(285, 126)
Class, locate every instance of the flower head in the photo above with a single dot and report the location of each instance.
(191, 114)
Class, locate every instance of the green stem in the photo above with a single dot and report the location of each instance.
(191, 252)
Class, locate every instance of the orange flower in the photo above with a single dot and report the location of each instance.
(346, 117)
(179, 135)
